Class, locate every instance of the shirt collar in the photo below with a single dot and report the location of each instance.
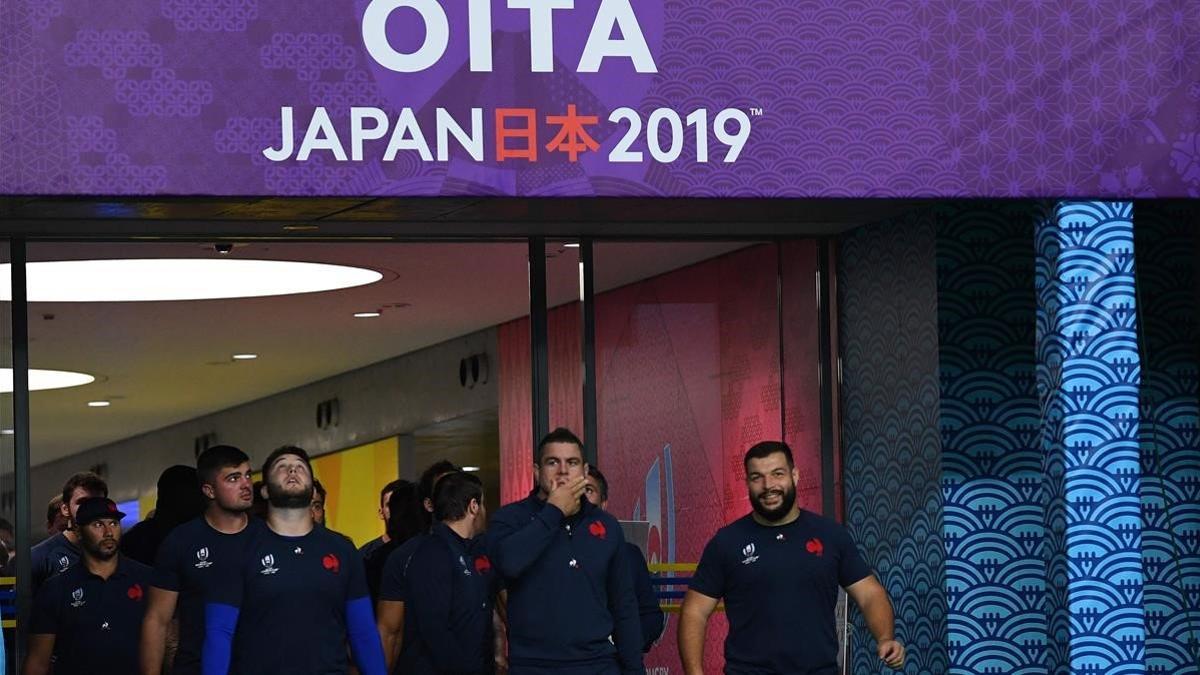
(122, 570)
(443, 530)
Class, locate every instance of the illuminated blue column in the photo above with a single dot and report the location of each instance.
(1088, 376)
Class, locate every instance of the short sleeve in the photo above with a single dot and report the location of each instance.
(166, 566)
(851, 566)
(44, 619)
(709, 578)
(392, 587)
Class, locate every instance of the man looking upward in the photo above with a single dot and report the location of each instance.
(301, 595)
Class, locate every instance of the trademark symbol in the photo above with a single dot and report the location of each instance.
(756, 112)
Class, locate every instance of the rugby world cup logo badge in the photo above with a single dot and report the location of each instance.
(202, 558)
(77, 598)
(748, 554)
(268, 564)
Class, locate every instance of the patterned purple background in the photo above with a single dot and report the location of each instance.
(859, 98)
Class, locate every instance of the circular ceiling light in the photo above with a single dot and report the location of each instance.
(40, 380)
(160, 279)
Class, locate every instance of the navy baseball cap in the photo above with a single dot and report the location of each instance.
(95, 508)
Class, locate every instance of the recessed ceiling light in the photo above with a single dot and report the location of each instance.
(245, 357)
(158, 279)
(99, 404)
(366, 315)
(470, 468)
(40, 380)
(571, 245)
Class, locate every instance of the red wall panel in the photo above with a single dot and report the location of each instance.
(516, 411)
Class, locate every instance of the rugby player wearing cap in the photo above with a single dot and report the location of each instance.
(301, 595)
(450, 609)
(61, 550)
(196, 557)
(650, 614)
(571, 607)
(86, 619)
(779, 569)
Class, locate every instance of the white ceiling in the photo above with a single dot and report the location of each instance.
(165, 362)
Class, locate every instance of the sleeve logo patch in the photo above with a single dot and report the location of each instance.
(597, 529)
(815, 546)
(331, 563)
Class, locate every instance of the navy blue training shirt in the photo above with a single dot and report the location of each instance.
(569, 587)
(193, 561)
(449, 606)
(368, 548)
(51, 556)
(394, 585)
(96, 623)
(299, 600)
(780, 586)
(374, 563)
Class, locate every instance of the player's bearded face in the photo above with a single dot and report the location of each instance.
(773, 502)
(101, 538)
(290, 485)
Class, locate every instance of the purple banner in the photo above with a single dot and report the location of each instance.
(772, 98)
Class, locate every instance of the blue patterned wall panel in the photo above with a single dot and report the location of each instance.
(1166, 241)
(1067, 547)
(991, 456)
(1088, 377)
(888, 328)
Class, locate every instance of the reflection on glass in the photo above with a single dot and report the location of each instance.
(374, 380)
(564, 331)
(689, 349)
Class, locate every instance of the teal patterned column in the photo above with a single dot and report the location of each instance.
(1088, 375)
